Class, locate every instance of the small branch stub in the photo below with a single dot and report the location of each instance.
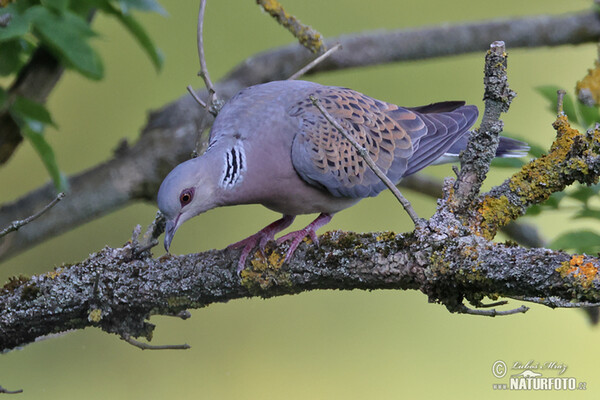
(147, 346)
(560, 95)
(213, 105)
(483, 142)
(6, 391)
(315, 62)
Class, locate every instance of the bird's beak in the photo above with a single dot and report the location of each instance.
(170, 229)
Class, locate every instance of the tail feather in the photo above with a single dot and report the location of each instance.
(511, 148)
(507, 148)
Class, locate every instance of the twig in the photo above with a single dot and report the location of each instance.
(365, 155)
(195, 96)
(6, 391)
(314, 62)
(15, 225)
(307, 36)
(493, 312)
(213, 104)
(556, 302)
(147, 346)
(560, 94)
(494, 304)
(481, 149)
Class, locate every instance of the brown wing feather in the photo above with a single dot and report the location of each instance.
(323, 157)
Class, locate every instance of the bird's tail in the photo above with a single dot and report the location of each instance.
(511, 148)
(507, 148)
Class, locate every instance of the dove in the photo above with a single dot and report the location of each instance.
(271, 145)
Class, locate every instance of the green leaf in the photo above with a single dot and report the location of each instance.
(552, 203)
(30, 112)
(588, 213)
(507, 163)
(584, 193)
(142, 38)
(554, 200)
(32, 118)
(10, 56)
(3, 97)
(589, 115)
(67, 35)
(18, 25)
(581, 241)
(534, 210)
(142, 5)
(549, 93)
(46, 154)
(58, 5)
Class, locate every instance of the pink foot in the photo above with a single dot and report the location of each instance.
(261, 237)
(298, 236)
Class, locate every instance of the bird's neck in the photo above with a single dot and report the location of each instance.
(224, 172)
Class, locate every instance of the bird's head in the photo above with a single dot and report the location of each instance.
(186, 192)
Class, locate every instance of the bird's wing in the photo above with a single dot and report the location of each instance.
(444, 129)
(390, 134)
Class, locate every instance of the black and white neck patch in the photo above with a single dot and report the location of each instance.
(233, 168)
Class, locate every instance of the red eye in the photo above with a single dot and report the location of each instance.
(186, 196)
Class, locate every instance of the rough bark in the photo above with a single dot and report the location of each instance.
(116, 292)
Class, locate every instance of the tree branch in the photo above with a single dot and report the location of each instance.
(116, 292)
(15, 225)
(135, 173)
(476, 159)
(307, 36)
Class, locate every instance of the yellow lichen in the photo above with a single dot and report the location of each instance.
(386, 236)
(536, 181)
(584, 273)
(95, 315)
(591, 83)
(265, 272)
(495, 212)
(306, 35)
(53, 274)
(576, 261)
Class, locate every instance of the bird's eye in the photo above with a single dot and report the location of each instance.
(186, 196)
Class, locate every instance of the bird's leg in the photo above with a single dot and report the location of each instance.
(261, 237)
(311, 230)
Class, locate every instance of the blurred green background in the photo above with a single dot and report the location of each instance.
(326, 344)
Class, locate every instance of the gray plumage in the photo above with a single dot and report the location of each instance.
(270, 145)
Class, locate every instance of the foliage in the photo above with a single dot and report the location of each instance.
(63, 28)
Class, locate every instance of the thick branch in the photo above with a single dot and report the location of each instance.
(170, 134)
(117, 293)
